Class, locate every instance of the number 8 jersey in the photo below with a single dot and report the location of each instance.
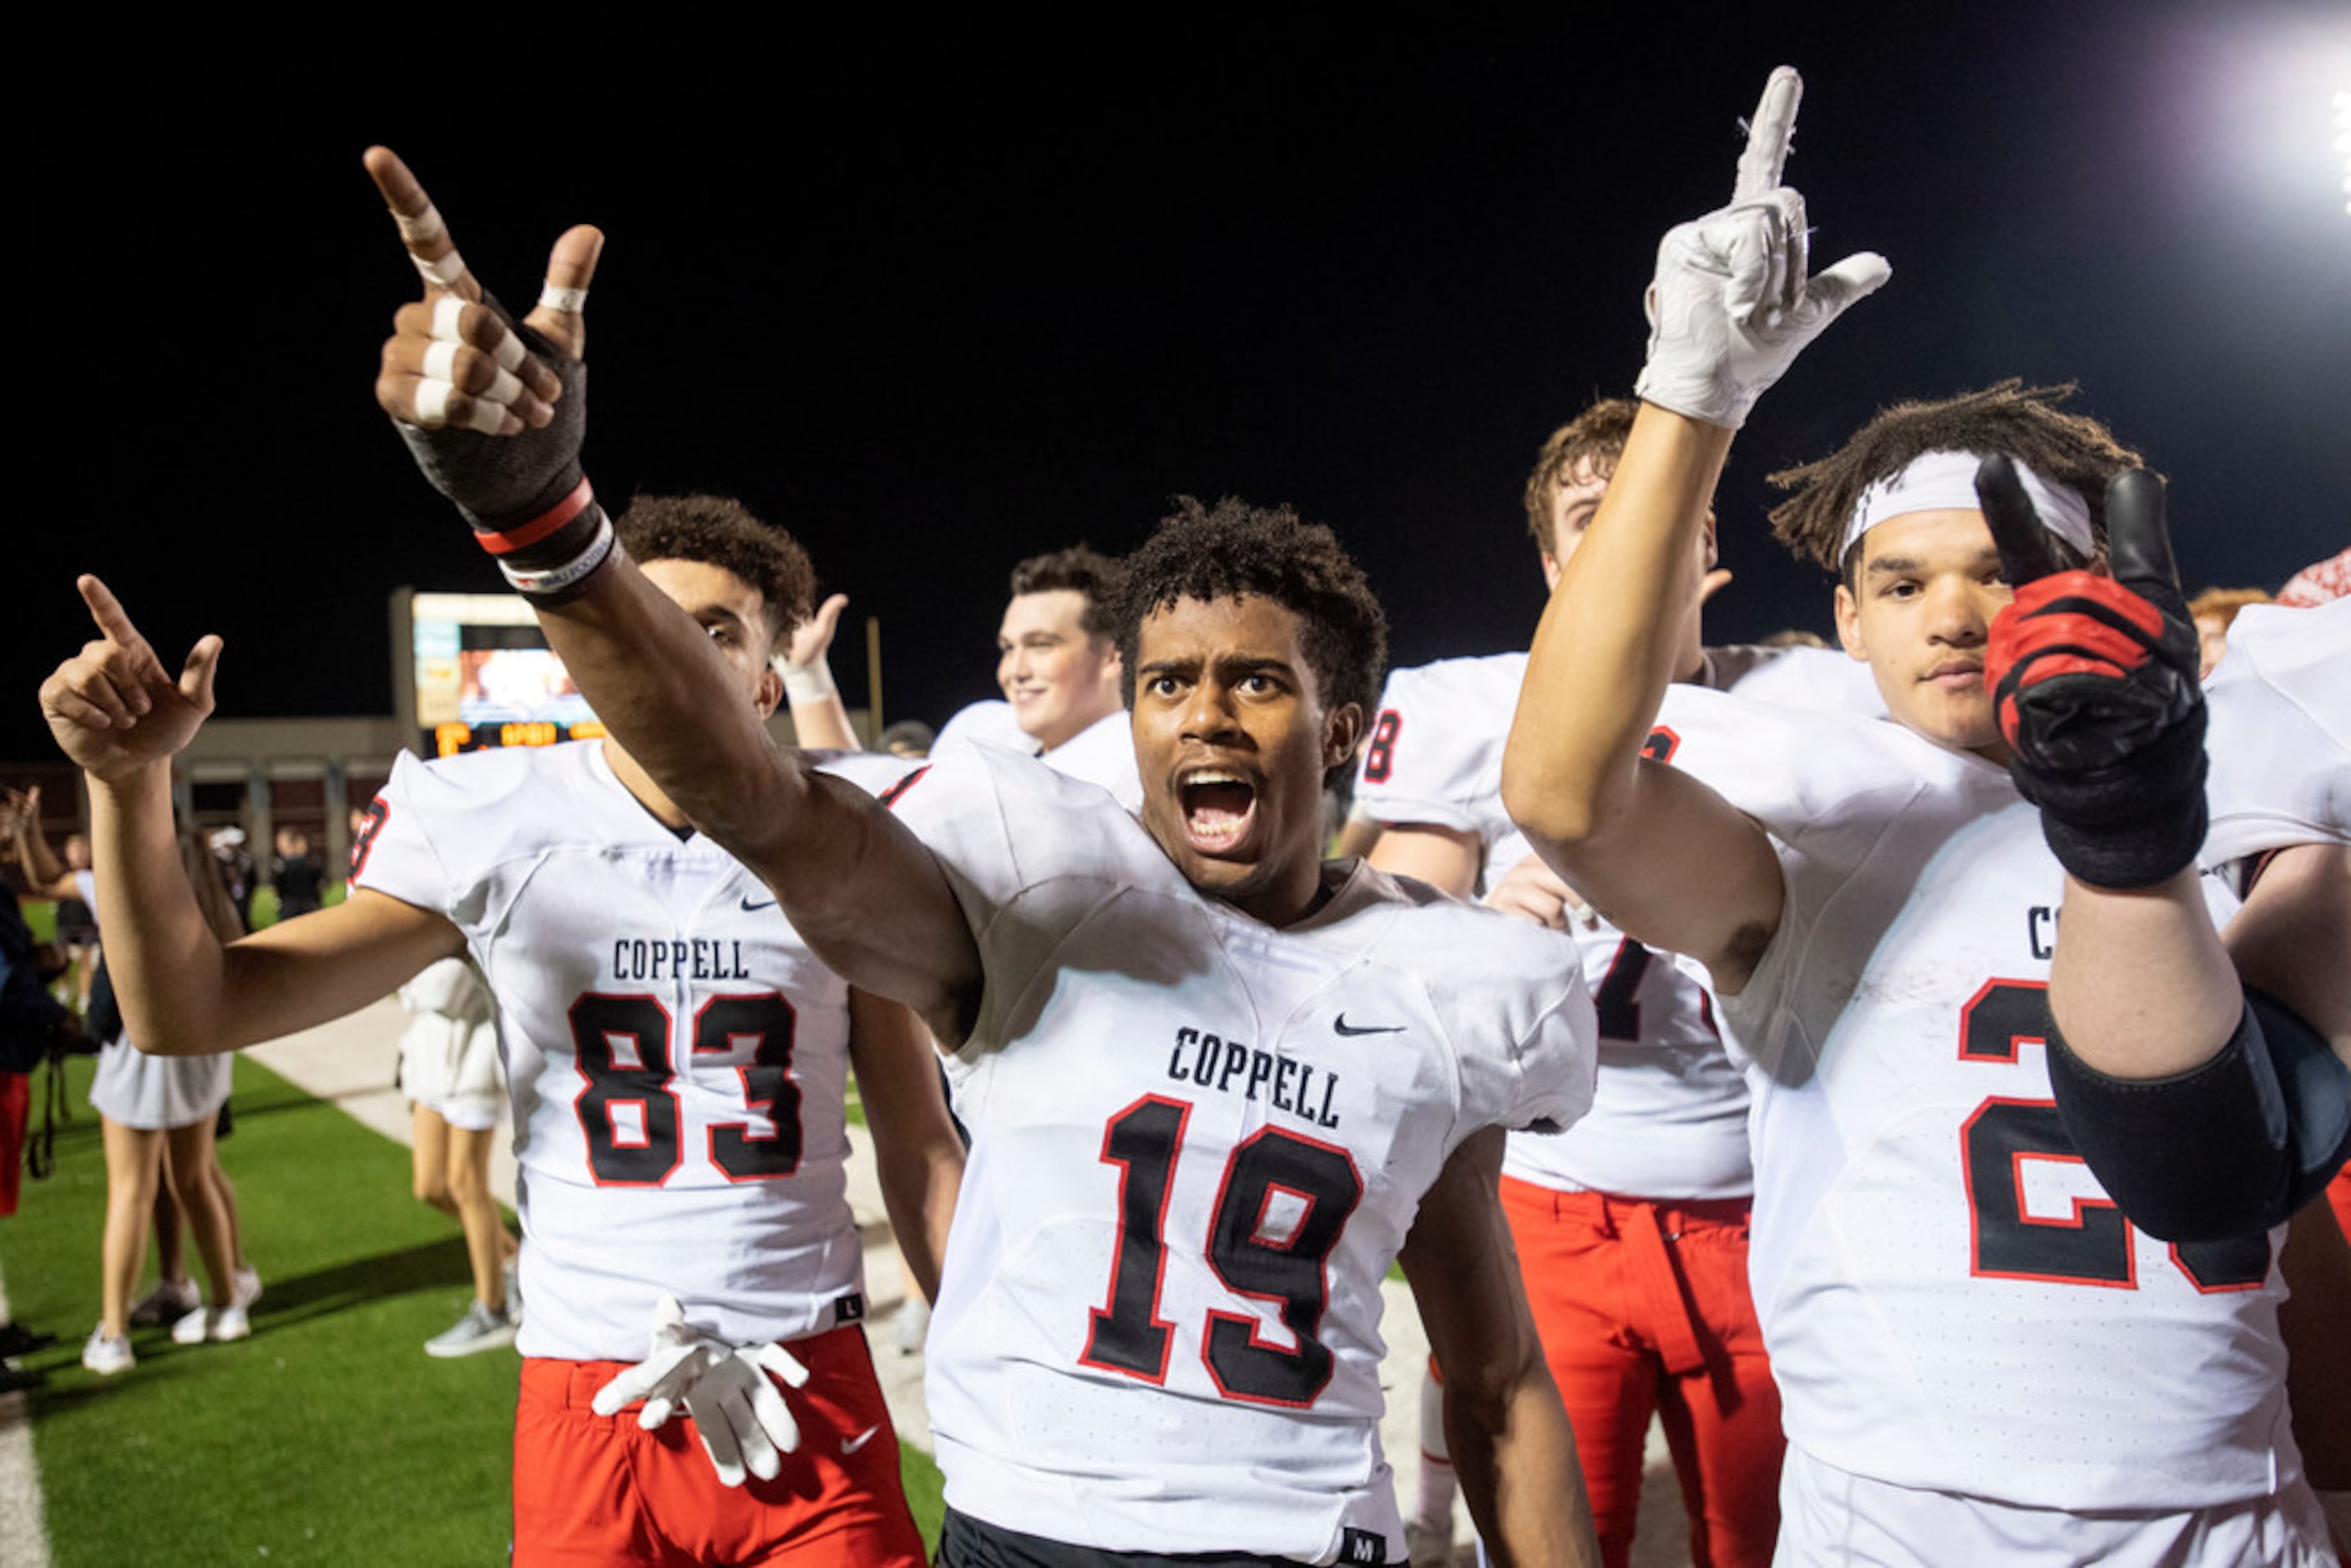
(677, 1059)
(1198, 1143)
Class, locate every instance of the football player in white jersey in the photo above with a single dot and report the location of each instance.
(1059, 669)
(1631, 1230)
(1979, 1360)
(677, 1060)
(1216, 1087)
(2205, 1075)
(2211, 1076)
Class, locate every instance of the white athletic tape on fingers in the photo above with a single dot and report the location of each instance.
(441, 365)
(489, 418)
(424, 228)
(433, 404)
(1946, 481)
(443, 272)
(449, 326)
(572, 300)
(503, 388)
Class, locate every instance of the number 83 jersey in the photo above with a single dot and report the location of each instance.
(677, 1059)
(1198, 1143)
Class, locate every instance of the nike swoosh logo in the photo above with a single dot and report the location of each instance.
(763, 904)
(850, 1445)
(1346, 1030)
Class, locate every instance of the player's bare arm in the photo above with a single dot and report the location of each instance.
(46, 876)
(1510, 1438)
(1665, 858)
(859, 887)
(121, 716)
(2299, 913)
(915, 1150)
(1445, 858)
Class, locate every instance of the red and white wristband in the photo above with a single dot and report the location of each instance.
(544, 581)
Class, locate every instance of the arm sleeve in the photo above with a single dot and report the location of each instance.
(2225, 1149)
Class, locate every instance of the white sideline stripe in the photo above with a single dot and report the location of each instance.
(24, 1535)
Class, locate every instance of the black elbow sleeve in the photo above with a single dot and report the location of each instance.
(2225, 1149)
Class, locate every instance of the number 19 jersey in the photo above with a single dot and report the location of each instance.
(1198, 1142)
(676, 1057)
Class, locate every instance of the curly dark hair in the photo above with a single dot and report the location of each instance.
(719, 531)
(1597, 437)
(1232, 550)
(1080, 569)
(2025, 423)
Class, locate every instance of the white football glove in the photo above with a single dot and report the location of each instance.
(1730, 306)
(739, 1415)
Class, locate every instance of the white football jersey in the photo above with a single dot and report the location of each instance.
(1951, 1301)
(2280, 739)
(1670, 1118)
(1198, 1143)
(677, 1058)
(1102, 753)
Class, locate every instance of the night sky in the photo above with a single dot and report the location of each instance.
(938, 297)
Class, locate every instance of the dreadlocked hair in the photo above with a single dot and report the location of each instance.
(1234, 550)
(2069, 449)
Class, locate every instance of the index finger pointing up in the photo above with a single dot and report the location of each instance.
(113, 621)
(1768, 134)
(420, 228)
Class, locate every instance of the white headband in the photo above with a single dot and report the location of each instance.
(1938, 481)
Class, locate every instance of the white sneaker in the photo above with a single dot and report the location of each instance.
(245, 1286)
(1428, 1544)
(170, 1300)
(479, 1330)
(108, 1356)
(215, 1325)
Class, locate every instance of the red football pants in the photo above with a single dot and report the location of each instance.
(1645, 1307)
(601, 1489)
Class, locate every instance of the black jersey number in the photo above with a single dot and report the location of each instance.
(1379, 757)
(2092, 1244)
(1280, 1208)
(628, 1112)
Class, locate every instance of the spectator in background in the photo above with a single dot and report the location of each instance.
(2214, 611)
(236, 871)
(457, 1095)
(298, 875)
(157, 1115)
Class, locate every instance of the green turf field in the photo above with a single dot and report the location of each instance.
(327, 1437)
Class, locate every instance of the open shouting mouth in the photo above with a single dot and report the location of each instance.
(1219, 806)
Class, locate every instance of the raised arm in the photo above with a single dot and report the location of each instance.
(819, 718)
(1507, 1433)
(122, 716)
(1662, 856)
(46, 876)
(494, 410)
(2207, 1080)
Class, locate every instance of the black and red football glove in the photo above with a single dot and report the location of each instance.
(2094, 682)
